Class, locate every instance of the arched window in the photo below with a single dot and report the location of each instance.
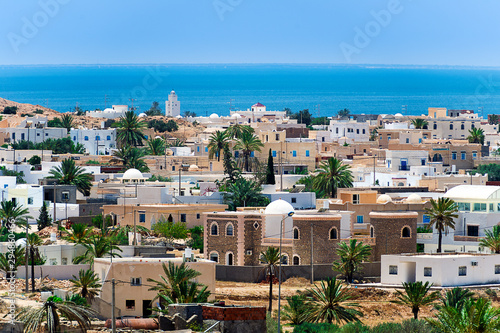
(296, 260)
(435, 126)
(229, 229)
(214, 256)
(462, 126)
(86, 138)
(406, 232)
(296, 234)
(333, 233)
(98, 138)
(229, 259)
(451, 126)
(284, 259)
(214, 229)
(372, 232)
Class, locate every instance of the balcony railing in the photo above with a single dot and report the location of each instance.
(404, 168)
(366, 240)
(467, 238)
(276, 241)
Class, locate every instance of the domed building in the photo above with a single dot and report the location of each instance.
(133, 176)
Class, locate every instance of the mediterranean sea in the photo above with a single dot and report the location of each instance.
(207, 89)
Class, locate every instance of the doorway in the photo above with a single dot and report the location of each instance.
(146, 308)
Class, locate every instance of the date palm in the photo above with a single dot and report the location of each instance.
(416, 295)
(130, 130)
(441, 214)
(236, 131)
(156, 146)
(419, 123)
(131, 157)
(476, 135)
(68, 173)
(455, 298)
(333, 174)
(328, 302)
(34, 241)
(97, 247)
(12, 213)
(218, 141)
(491, 239)
(294, 310)
(79, 233)
(244, 193)
(271, 259)
(248, 143)
(8, 265)
(350, 258)
(51, 313)
(86, 284)
(67, 122)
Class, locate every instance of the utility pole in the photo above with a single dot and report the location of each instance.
(26, 257)
(54, 214)
(374, 181)
(105, 101)
(312, 256)
(180, 169)
(281, 167)
(132, 102)
(113, 305)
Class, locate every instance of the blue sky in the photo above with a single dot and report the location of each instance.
(423, 32)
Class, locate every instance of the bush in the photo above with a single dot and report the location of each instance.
(54, 299)
(272, 324)
(77, 299)
(172, 126)
(158, 125)
(10, 110)
(317, 328)
(356, 327)
(35, 160)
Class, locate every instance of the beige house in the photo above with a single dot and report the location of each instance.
(132, 294)
(148, 215)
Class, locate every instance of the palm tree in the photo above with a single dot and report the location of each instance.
(248, 143)
(78, 234)
(97, 247)
(333, 175)
(419, 123)
(441, 214)
(416, 295)
(475, 316)
(294, 310)
(218, 141)
(86, 284)
(177, 285)
(51, 312)
(130, 130)
(236, 131)
(271, 259)
(491, 239)
(327, 302)
(67, 122)
(12, 213)
(373, 135)
(244, 193)
(8, 265)
(476, 135)
(455, 298)
(351, 256)
(68, 173)
(493, 119)
(156, 146)
(131, 157)
(33, 241)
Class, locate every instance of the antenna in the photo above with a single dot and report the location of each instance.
(231, 104)
(132, 101)
(105, 100)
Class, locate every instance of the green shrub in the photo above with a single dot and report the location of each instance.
(355, 327)
(54, 299)
(77, 299)
(272, 324)
(317, 328)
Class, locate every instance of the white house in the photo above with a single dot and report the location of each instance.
(36, 135)
(172, 105)
(116, 111)
(348, 131)
(403, 160)
(444, 270)
(95, 141)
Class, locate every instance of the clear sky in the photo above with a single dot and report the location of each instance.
(419, 32)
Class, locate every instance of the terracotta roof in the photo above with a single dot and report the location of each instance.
(258, 105)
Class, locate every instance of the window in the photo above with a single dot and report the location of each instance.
(462, 127)
(426, 218)
(472, 125)
(294, 200)
(214, 229)
(74, 138)
(206, 149)
(142, 217)
(274, 153)
(372, 232)
(229, 230)
(296, 234)
(64, 261)
(355, 198)
(497, 269)
(462, 271)
(236, 154)
(337, 130)
(357, 130)
(492, 207)
(393, 270)
(428, 271)
(389, 137)
(65, 195)
(473, 230)
(451, 126)
(108, 137)
(422, 161)
(479, 207)
(198, 149)
(183, 217)
(229, 259)
(130, 304)
(86, 138)
(294, 153)
(30, 201)
(359, 219)
(464, 206)
(333, 233)
(307, 153)
(277, 137)
(256, 225)
(296, 260)
(135, 281)
(198, 216)
(214, 256)
(406, 232)
(364, 131)
(98, 137)
(284, 259)
(463, 155)
(407, 140)
(474, 155)
(435, 126)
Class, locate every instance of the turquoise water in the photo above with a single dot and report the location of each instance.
(206, 89)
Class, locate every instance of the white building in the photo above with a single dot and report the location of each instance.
(348, 131)
(444, 270)
(36, 135)
(116, 111)
(404, 160)
(172, 105)
(95, 141)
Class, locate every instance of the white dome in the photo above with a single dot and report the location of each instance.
(398, 115)
(178, 117)
(280, 207)
(414, 198)
(236, 115)
(142, 115)
(384, 198)
(214, 116)
(21, 242)
(193, 167)
(132, 174)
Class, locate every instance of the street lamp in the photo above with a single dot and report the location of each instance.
(279, 273)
